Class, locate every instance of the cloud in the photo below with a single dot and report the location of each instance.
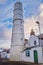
(41, 7)
(6, 29)
(40, 17)
(5, 44)
(7, 34)
(30, 8)
(41, 14)
(41, 10)
(1, 25)
(30, 24)
(3, 1)
(8, 11)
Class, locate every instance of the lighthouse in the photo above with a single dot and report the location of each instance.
(17, 40)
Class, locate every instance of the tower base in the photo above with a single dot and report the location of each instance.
(16, 54)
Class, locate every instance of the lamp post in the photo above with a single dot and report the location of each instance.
(39, 27)
(39, 32)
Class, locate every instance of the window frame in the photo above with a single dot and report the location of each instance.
(35, 42)
(27, 53)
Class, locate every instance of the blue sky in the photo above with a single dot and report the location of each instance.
(32, 11)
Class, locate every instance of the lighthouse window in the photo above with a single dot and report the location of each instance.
(27, 53)
(34, 42)
(21, 22)
(21, 29)
(21, 38)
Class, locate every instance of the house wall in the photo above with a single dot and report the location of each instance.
(39, 51)
(27, 59)
(41, 43)
(31, 58)
(31, 41)
(42, 52)
(8, 55)
(24, 58)
(3, 54)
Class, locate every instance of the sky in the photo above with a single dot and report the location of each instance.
(32, 12)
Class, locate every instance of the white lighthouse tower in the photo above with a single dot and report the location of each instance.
(17, 41)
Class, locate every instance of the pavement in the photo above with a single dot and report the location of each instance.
(17, 63)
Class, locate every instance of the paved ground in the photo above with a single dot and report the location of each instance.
(17, 63)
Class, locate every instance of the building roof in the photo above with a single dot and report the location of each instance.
(25, 41)
(6, 50)
(40, 36)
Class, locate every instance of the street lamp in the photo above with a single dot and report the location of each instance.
(39, 31)
(39, 27)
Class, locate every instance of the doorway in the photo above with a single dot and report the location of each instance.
(35, 56)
